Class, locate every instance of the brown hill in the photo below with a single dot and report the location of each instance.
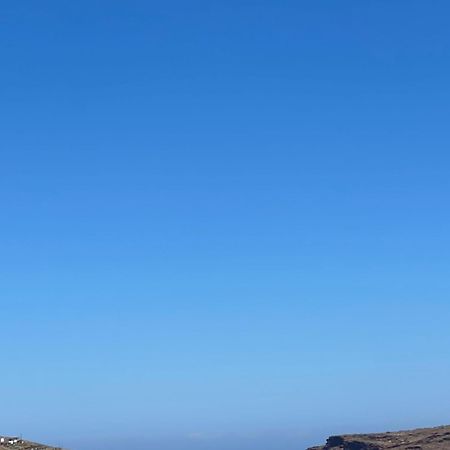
(420, 439)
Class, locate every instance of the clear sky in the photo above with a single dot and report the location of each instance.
(224, 224)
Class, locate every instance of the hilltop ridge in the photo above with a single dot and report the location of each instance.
(437, 438)
(17, 443)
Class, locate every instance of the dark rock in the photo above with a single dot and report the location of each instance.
(420, 439)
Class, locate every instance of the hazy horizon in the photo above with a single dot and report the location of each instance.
(224, 223)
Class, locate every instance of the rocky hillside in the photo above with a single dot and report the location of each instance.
(9, 443)
(421, 439)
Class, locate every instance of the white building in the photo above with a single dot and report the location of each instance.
(9, 440)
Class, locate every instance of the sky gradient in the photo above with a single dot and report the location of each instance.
(224, 224)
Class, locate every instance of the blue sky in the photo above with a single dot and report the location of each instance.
(224, 224)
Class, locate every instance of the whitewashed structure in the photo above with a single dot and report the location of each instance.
(9, 440)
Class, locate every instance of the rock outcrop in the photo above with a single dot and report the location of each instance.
(420, 439)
